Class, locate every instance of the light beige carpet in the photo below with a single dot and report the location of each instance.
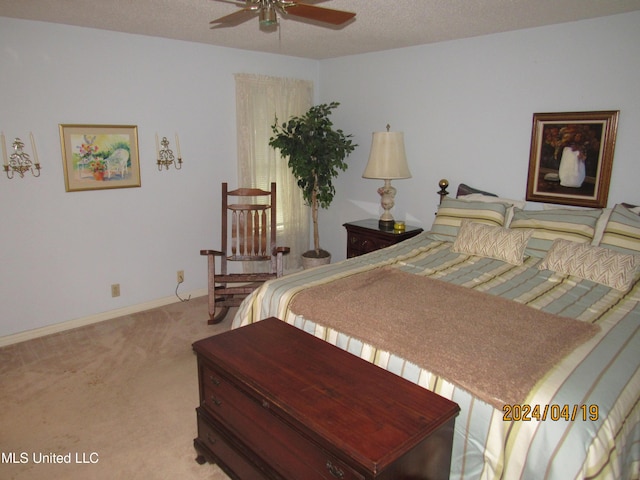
(121, 394)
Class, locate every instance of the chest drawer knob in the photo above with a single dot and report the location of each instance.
(216, 401)
(334, 470)
(265, 404)
(214, 380)
(210, 439)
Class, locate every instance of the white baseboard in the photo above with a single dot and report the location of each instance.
(99, 317)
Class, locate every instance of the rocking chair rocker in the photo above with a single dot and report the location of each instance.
(253, 238)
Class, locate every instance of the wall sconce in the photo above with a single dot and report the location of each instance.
(19, 161)
(387, 161)
(165, 154)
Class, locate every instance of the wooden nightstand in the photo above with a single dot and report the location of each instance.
(364, 236)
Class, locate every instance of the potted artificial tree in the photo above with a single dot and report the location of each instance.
(316, 152)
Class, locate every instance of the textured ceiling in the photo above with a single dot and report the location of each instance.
(378, 25)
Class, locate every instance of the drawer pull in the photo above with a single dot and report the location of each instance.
(216, 402)
(214, 380)
(334, 470)
(210, 439)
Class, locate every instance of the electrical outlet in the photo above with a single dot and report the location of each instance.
(180, 276)
(115, 290)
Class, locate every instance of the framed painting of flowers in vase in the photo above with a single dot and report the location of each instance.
(571, 157)
(97, 157)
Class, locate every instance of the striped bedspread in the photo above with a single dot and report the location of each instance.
(582, 420)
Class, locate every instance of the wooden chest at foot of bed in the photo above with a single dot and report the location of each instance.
(278, 403)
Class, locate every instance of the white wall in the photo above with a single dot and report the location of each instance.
(466, 108)
(59, 251)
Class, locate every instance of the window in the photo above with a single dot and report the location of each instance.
(259, 101)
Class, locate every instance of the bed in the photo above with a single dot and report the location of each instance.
(557, 395)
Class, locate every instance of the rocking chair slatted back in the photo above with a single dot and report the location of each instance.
(252, 223)
(249, 230)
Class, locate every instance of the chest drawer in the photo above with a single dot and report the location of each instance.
(267, 432)
(213, 439)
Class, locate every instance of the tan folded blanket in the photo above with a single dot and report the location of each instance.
(495, 348)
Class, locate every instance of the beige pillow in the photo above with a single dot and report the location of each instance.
(493, 242)
(601, 265)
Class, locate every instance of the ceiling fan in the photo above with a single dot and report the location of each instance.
(267, 11)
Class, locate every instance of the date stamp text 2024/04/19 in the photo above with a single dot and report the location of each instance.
(528, 413)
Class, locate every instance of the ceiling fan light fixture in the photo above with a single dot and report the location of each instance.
(268, 16)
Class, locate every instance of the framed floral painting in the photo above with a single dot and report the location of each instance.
(97, 157)
(571, 157)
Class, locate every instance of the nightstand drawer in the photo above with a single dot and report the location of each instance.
(365, 244)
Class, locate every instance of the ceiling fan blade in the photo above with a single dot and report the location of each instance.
(321, 14)
(237, 3)
(233, 19)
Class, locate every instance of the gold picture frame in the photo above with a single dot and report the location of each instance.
(571, 157)
(97, 157)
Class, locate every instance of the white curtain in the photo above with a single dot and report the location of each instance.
(259, 101)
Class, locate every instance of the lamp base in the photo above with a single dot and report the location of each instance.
(386, 225)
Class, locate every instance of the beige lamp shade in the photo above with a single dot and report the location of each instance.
(387, 159)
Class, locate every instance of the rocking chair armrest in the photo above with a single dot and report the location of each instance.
(211, 252)
(283, 250)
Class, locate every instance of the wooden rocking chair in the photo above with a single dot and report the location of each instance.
(253, 238)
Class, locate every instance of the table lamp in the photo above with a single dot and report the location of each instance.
(387, 161)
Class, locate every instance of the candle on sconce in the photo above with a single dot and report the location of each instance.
(33, 147)
(4, 149)
(178, 146)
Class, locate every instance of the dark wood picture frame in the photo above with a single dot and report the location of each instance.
(571, 157)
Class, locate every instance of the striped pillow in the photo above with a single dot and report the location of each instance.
(452, 211)
(601, 265)
(622, 232)
(569, 224)
(493, 242)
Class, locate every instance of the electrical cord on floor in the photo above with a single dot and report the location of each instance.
(179, 297)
